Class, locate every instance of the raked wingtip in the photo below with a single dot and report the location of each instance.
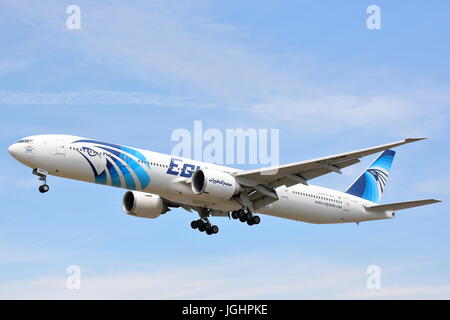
(407, 140)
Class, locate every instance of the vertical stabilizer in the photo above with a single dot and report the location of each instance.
(370, 185)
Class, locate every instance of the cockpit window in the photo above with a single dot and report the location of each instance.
(25, 141)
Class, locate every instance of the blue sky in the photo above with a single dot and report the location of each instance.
(134, 73)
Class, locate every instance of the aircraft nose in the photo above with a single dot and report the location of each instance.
(22, 152)
(14, 150)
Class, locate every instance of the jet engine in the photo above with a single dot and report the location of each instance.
(143, 205)
(216, 184)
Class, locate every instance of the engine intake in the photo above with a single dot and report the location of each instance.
(216, 184)
(143, 205)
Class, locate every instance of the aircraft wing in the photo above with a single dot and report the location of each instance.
(301, 172)
(265, 180)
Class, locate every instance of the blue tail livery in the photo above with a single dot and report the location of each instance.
(371, 183)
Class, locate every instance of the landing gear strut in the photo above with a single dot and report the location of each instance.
(42, 174)
(246, 216)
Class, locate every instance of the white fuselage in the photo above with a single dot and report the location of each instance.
(168, 176)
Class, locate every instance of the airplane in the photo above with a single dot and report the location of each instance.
(157, 182)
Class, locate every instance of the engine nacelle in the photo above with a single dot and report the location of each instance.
(216, 184)
(143, 205)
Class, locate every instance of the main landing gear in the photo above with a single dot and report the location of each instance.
(42, 174)
(246, 216)
(203, 225)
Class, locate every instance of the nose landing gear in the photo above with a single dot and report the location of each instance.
(42, 174)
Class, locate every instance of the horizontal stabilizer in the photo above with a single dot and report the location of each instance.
(401, 205)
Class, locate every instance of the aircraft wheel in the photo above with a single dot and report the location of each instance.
(194, 224)
(201, 225)
(256, 220)
(44, 188)
(215, 229)
(235, 215)
(250, 222)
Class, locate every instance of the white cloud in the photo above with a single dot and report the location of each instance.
(99, 97)
(406, 292)
(233, 277)
(169, 45)
(8, 182)
(11, 65)
(402, 114)
(435, 185)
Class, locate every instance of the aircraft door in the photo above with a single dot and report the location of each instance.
(285, 193)
(346, 204)
(60, 148)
